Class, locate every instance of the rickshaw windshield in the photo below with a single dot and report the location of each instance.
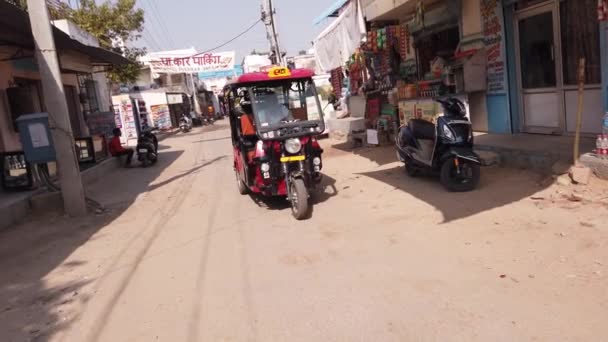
(285, 103)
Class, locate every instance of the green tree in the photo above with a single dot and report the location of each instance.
(115, 25)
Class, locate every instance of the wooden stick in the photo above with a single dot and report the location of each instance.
(579, 113)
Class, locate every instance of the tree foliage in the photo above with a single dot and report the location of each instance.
(116, 25)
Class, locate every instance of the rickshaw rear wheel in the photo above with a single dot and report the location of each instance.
(300, 205)
(239, 183)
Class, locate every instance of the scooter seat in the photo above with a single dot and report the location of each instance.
(422, 129)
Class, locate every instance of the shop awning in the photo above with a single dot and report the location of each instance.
(332, 11)
(15, 30)
(341, 38)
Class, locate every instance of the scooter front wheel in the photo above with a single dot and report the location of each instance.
(410, 169)
(461, 176)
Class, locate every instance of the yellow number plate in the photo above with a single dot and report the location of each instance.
(292, 159)
(279, 72)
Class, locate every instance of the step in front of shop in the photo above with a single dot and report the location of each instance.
(540, 161)
(14, 208)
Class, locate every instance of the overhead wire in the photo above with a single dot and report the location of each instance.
(154, 31)
(150, 37)
(233, 39)
(150, 34)
(162, 26)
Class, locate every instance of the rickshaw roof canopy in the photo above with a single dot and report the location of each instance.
(274, 74)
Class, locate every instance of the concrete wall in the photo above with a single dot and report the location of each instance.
(10, 139)
(471, 18)
(144, 80)
(103, 90)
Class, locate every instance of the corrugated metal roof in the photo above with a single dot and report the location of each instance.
(15, 30)
(332, 11)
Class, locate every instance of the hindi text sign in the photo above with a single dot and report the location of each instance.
(204, 62)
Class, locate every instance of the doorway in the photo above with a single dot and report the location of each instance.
(538, 66)
(71, 98)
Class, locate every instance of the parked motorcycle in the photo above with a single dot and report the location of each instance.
(207, 120)
(185, 124)
(445, 148)
(147, 147)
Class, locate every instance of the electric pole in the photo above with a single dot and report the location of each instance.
(271, 31)
(54, 99)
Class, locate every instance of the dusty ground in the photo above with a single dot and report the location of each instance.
(180, 256)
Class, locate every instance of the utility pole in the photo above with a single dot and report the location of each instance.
(54, 99)
(271, 31)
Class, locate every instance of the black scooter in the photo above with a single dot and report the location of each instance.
(185, 124)
(147, 147)
(445, 148)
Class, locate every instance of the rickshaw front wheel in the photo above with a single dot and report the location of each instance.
(239, 183)
(300, 206)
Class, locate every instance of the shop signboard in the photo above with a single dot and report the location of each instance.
(493, 38)
(101, 123)
(161, 116)
(117, 119)
(407, 109)
(174, 98)
(426, 109)
(198, 63)
(126, 110)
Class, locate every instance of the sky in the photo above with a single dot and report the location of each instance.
(205, 24)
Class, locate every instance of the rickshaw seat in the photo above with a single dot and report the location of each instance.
(249, 142)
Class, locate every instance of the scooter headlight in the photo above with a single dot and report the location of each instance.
(293, 145)
(316, 161)
(265, 167)
(447, 132)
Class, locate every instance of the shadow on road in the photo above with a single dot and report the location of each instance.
(326, 190)
(209, 140)
(380, 155)
(498, 187)
(30, 307)
(184, 174)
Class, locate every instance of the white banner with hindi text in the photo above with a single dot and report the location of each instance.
(203, 62)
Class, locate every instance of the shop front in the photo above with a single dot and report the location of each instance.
(21, 93)
(413, 54)
(545, 42)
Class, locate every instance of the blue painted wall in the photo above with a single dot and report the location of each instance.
(499, 117)
(509, 32)
(604, 56)
(498, 105)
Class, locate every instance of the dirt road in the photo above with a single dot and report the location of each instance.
(181, 256)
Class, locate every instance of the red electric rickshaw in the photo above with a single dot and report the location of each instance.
(279, 155)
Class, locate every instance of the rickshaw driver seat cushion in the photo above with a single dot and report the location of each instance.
(249, 142)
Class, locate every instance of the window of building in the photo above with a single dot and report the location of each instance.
(580, 38)
(441, 43)
(88, 94)
(24, 97)
(176, 79)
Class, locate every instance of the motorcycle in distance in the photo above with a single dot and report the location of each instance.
(147, 147)
(185, 123)
(445, 148)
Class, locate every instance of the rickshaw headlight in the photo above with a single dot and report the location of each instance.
(265, 167)
(293, 145)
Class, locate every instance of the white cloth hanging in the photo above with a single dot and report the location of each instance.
(340, 39)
